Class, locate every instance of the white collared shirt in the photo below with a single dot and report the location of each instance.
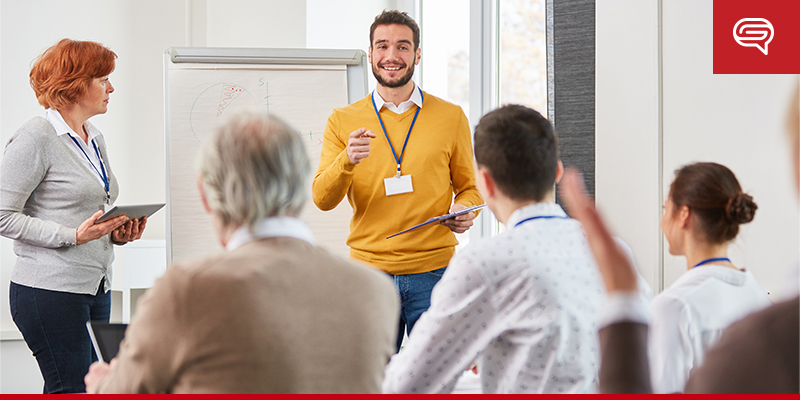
(270, 227)
(522, 304)
(65, 132)
(689, 317)
(416, 98)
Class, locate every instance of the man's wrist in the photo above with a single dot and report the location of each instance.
(346, 163)
(623, 306)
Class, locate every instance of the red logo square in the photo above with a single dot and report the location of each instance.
(756, 37)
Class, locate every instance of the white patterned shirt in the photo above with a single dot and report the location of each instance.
(522, 304)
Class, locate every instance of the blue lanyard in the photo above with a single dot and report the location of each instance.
(710, 260)
(539, 217)
(396, 158)
(103, 175)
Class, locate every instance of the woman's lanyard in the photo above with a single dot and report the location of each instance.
(102, 168)
(396, 158)
(539, 217)
(710, 260)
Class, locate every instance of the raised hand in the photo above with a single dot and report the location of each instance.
(616, 269)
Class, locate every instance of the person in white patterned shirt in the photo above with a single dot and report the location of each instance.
(521, 304)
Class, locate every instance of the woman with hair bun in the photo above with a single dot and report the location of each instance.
(56, 181)
(702, 215)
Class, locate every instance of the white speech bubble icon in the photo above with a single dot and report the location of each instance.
(754, 32)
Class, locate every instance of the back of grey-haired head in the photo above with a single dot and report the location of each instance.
(254, 166)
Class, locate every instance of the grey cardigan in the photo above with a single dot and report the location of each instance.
(45, 194)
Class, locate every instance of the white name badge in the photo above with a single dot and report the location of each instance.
(395, 185)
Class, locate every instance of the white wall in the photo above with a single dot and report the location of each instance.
(344, 24)
(256, 23)
(627, 126)
(659, 107)
(737, 121)
(138, 31)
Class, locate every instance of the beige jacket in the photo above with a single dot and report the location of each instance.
(276, 315)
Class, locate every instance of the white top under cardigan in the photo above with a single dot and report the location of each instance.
(92, 163)
(521, 303)
(46, 193)
(689, 317)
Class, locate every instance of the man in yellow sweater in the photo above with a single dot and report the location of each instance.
(400, 155)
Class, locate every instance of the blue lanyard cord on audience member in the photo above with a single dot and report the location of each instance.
(710, 260)
(396, 158)
(102, 175)
(539, 217)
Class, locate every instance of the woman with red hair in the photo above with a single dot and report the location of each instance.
(56, 182)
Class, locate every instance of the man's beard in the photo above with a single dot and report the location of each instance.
(398, 83)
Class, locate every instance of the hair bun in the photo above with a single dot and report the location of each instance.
(741, 209)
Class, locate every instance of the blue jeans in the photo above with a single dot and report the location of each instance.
(54, 327)
(415, 297)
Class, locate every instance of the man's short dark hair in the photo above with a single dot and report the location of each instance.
(395, 17)
(519, 148)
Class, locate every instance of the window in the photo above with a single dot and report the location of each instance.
(510, 56)
(444, 67)
(445, 50)
(523, 54)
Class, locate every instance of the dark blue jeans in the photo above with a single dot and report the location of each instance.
(54, 327)
(415, 297)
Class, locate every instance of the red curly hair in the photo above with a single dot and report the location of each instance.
(61, 76)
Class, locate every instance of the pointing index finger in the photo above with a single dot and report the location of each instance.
(357, 133)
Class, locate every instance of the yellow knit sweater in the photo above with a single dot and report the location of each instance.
(439, 159)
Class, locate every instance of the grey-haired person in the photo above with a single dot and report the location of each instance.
(274, 313)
